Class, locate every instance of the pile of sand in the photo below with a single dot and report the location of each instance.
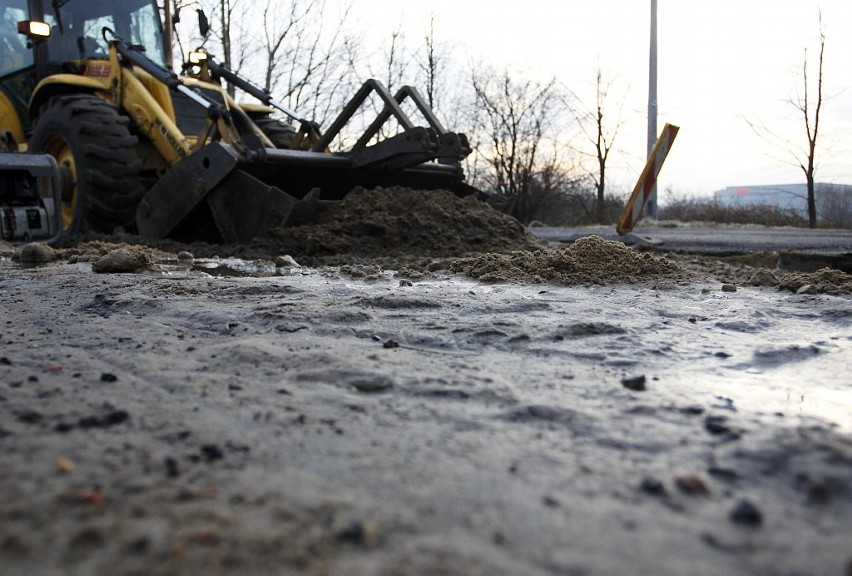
(392, 222)
(824, 281)
(389, 226)
(590, 260)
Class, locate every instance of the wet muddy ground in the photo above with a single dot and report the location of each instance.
(232, 416)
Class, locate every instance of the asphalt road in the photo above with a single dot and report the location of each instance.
(798, 248)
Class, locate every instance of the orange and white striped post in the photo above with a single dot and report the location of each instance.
(647, 180)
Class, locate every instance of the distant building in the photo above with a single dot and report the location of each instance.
(792, 197)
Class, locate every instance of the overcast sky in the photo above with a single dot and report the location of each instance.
(719, 60)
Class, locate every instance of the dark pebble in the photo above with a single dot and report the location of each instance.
(140, 545)
(637, 383)
(691, 485)
(211, 452)
(716, 425)
(235, 387)
(105, 421)
(30, 417)
(746, 513)
(63, 427)
(358, 533)
(88, 536)
(723, 473)
(694, 410)
(652, 486)
(107, 377)
(171, 464)
(391, 344)
(5, 361)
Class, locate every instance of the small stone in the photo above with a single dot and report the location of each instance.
(185, 256)
(90, 536)
(107, 377)
(285, 262)
(391, 343)
(716, 425)
(37, 253)
(746, 513)
(65, 465)
(211, 452)
(30, 417)
(121, 260)
(372, 385)
(729, 288)
(763, 277)
(637, 383)
(691, 484)
(172, 470)
(405, 283)
(361, 533)
(107, 420)
(807, 289)
(652, 486)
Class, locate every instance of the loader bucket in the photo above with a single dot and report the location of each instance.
(245, 188)
(245, 197)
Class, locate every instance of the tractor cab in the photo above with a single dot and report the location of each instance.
(42, 38)
(77, 29)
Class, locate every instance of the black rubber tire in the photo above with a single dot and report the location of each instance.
(280, 133)
(94, 147)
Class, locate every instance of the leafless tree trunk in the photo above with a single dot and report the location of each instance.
(601, 132)
(804, 157)
(811, 118)
(432, 64)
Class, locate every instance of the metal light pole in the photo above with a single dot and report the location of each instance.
(651, 206)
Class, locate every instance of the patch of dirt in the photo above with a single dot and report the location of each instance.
(590, 260)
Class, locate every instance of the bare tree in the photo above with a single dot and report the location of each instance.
(600, 132)
(810, 107)
(810, 114)
(308, 56)
(514, 119)
(431, 64)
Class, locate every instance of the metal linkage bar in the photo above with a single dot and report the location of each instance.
(391, 106)
(399, 98)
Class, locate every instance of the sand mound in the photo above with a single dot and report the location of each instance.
(399, 221)
(590, 260)
(389, 226)
(824, 281)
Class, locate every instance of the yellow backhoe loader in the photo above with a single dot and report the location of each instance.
(138, 147)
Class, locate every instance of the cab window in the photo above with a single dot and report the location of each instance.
(13, 46)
